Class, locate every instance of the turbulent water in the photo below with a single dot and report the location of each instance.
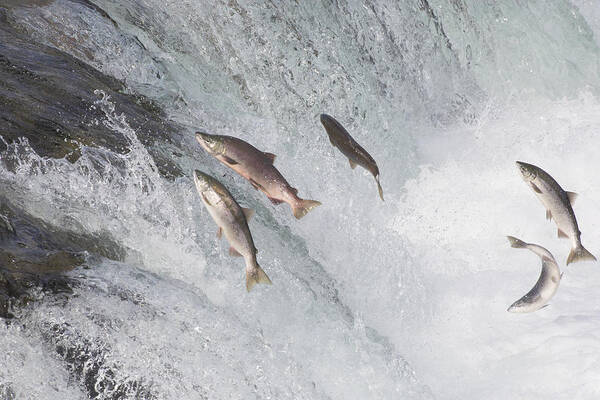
(113, 284)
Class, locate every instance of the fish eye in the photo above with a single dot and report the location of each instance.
(210, 142)
(527, 172)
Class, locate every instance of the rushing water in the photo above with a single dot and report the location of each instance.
(402, 299)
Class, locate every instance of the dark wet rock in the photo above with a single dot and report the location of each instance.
(36, 257)
(88, 360)
(48, 96)
(33, 261)
(34, 264)
(7, 231)
(51, 98)
(5, 305)
(31, 233)
(24, 273)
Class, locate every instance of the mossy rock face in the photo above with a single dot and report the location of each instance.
(48, 97)
(37, 260)
(32, 261)
(7, 231)
(36, 256)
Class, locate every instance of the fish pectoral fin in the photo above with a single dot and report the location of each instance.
(544, 306)
(535, 188)
(352, 164)
(561, 234)
(229, 160)
(572, 196)
(548, 215)
(234, 253)
(255, 185)
(248, 213)
(270, 156)
(205, 199)
(275, 201)
(219, 232)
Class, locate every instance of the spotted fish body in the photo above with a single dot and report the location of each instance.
(232, 221)
(558, 204)
(340, 138)
(257, 167)
(546, 285)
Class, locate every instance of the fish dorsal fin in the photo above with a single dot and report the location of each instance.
(205, 199)
(270, 156)
(561, 234)
(234, 253)
(248, 213)
(352, 164)
(219, 232)
(548, 215)
(572, 196)
(535, 188)
(229, 160)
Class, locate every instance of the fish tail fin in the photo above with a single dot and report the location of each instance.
(517, 243)
(303, 207)
(256, 275)
(580, 254)
(379, 187)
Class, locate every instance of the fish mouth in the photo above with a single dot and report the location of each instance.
(198, 176)
(331, 125)
(207, 141)
(201, 180)
(524, 169)
(201, 176)
(327, 120)
(515, 309)
(202, 137)
(522, 165)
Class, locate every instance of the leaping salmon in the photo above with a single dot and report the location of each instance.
(558, 207)
(232, 221)
(257, 167)
(340, 138)
(547, 284)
